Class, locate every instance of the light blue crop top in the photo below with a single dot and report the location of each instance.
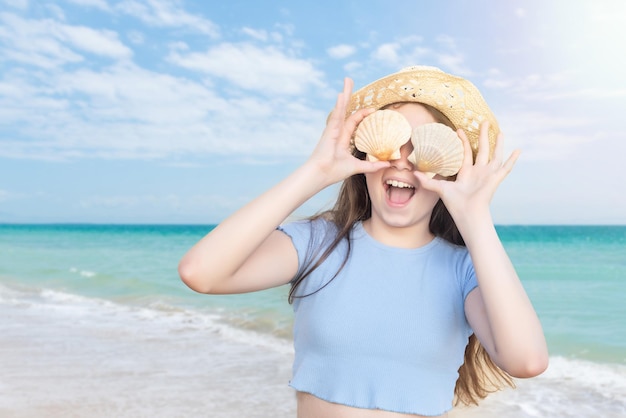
(389, 332)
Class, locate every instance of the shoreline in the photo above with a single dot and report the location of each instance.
(76, 359)
(53, 367)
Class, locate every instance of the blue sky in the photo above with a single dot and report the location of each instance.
(167, 111)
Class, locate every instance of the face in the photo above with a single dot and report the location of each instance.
(397, 199)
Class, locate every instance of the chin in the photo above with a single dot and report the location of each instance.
(402, 221)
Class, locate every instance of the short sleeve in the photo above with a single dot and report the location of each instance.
(468, 276)
(309, 237)
(470, 284)
(300, 234)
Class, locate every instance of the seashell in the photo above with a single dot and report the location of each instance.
(381, 134)
(436, 150)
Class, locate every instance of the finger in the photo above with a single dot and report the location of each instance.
(348, 84)
(498, 150)
(343, 98)
(359, 115)
(468, 156)
(482, 157)
(354, 119)
(428, 183)
(364, 166)
(510, 162)
(336, 115)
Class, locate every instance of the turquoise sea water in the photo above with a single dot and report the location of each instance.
(574, 275)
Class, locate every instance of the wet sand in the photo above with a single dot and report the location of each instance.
(53, 367)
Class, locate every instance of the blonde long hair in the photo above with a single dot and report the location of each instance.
(478, 375)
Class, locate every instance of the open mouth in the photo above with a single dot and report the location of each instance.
(398, 192)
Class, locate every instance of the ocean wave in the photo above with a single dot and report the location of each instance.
(84, 273)
(602, 381)
(156, 314)
(569, 387)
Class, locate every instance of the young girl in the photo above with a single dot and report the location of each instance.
(404, 297)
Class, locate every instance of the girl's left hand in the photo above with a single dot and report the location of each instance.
(476, 182)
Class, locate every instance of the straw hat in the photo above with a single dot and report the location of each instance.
(458, 99)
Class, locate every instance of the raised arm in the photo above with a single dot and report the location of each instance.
(499, 310)
(245, 252)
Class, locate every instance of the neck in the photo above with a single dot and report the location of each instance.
(413, 236)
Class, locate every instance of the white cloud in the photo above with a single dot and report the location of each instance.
(447, 42)
(178, 46)
(99, 42)
(493, 83)
(578, 94)
(496, 79)
(264, 35)
(454, 64)
(157, 13)
(528, 83)
(136, 37)
(47, 43)
(547, 136)
(167, 14)
(341, 51)
(117, 109)
(17, 4)
(126, 79)
(287, 28)
(402, 52)
(55, 11)
(259, 35)
(450, 58)
(387, 52)
(266, 70)
(352, 66)
(551, 87)
(276, 37)
(128, 112)
(33, 42)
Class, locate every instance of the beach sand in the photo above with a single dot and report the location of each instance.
(52, 367)
(62, 361)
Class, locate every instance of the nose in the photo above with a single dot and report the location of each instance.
(403, 163)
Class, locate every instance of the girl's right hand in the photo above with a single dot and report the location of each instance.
(332, 155)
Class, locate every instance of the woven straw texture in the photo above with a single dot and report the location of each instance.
(453, 96)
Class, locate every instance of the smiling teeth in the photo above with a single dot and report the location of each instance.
(400, 184)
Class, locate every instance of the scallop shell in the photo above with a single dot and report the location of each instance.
(381, 134)
(437, 149)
